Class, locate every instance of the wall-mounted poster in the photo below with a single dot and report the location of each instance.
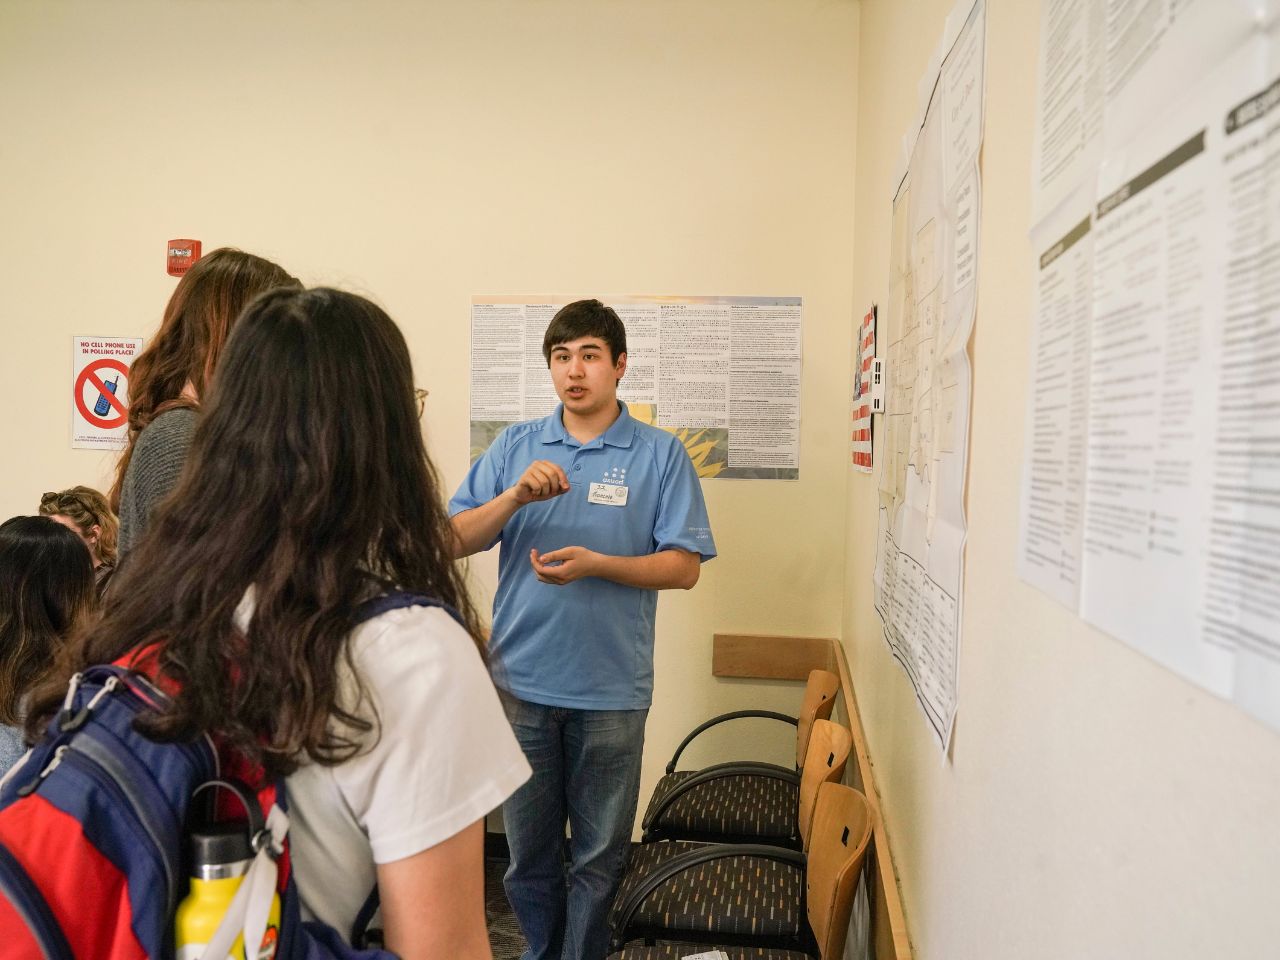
(100, 390)
(933, 265)
(721, 373)
(864, 358)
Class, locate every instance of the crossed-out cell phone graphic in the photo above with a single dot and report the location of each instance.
(103, 406)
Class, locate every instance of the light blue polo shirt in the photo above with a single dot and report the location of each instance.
(587, 644)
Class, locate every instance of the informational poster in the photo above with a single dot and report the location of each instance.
(1157, 343)
(100, 390)
(864, 356)
(1104, 63)
(1058, 406)
(924, 335)
(721, 373)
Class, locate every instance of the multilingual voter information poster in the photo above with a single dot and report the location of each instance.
(721, 373)
(100, 391)
(1151, 481)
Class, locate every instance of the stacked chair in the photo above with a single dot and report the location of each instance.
(753, 896)
(742, 801)
(841, 831)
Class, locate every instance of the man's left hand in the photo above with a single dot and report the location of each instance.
(564, 565)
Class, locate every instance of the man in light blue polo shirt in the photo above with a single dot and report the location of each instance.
(595, 512)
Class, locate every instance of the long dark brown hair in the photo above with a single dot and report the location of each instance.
(46, 591)
(307, 487)
(189, 344)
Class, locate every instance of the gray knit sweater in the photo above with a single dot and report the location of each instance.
(153, 472)
(12, 747)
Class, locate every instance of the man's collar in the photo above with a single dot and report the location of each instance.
(620, 433)
(553, 430)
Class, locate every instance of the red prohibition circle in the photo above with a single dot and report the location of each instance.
(90, 373)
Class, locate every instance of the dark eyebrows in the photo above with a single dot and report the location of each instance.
(590, 345)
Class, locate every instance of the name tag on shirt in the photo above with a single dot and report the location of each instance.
(610, 494)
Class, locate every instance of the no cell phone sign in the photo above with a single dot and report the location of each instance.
(100, 390)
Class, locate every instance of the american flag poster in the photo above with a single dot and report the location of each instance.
(863, 355)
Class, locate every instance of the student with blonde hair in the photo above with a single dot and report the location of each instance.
(85, 512)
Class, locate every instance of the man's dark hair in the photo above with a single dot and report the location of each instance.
(585, 318)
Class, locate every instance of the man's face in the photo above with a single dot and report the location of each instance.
(586, 380)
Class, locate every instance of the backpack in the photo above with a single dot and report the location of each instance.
(92, 830)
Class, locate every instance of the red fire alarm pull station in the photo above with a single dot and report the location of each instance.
(182, 254)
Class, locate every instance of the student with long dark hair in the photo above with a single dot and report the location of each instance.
(46, 589)
(307, 491)
(170, 377)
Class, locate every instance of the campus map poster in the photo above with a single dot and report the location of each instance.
(1151, 481)
(721, 373)
(925, 330)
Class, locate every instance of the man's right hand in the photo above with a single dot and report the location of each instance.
(477, 529)
(543, 480)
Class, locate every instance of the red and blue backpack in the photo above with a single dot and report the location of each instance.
(92, 830)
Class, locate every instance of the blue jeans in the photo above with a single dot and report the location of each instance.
(586, 770)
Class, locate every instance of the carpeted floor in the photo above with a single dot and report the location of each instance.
(504, 932)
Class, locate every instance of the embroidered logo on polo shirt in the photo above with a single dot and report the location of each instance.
(615, 475)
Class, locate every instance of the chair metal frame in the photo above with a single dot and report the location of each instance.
(650, 829)
(624, 931)
(830, 875)
(831, 738)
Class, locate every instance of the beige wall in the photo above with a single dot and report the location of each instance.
(426, 152)
(1095, 805)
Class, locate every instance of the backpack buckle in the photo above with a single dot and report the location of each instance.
(69, 723)
(29, 788)
(262, 840)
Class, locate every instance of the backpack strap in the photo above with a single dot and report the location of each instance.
(392, 599)
(32, 908)
(360, 928)
(395, 599)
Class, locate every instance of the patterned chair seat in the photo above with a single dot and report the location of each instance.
(736, 896)
(677, 951)
(741, 805)
(735, 808)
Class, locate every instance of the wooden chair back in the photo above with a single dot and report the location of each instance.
(829, 746)
(841, 834)
(819, 697)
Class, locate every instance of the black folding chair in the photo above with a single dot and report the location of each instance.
(741, 801)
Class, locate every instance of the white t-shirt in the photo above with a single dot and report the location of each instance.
(445, 758)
